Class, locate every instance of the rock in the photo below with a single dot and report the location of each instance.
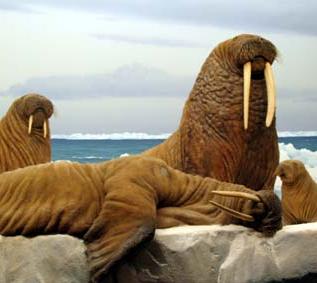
(191, 254)
(49, 259)
(225, 254)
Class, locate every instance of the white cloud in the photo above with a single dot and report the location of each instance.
(156, 41)
(127, 81)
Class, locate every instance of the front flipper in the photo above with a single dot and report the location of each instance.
(126, 220)
(261, 211)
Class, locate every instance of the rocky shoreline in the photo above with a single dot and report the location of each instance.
(190, 254)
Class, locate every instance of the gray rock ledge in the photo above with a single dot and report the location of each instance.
(191, 254)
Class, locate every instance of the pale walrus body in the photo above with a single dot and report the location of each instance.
(25, 133)
(112, 205)
(299, 193)
(223, 133)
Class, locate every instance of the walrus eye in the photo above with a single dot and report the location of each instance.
(233, 212)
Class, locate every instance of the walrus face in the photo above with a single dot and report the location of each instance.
(35, 110)
(250, 57)
(290, 171)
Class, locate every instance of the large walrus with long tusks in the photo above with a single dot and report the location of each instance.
(299, 193)
(25, 133)
(227, 130)
(112, 205)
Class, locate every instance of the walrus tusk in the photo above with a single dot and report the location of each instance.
(271, 99)
(246, 92)
(44, 129)
(234, 213)
(30, 124)
(237, 194)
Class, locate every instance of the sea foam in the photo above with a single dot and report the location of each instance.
(286, 134)
(145, 136)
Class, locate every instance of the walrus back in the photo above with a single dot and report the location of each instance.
(49, 198)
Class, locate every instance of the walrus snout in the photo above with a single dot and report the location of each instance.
(35, 103)
(272, 221)
(252, 47)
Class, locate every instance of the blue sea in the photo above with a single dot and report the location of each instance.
(99, 150)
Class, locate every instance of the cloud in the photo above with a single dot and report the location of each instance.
(155, 41)
(15, 6)
(127, 81)
(277, 16)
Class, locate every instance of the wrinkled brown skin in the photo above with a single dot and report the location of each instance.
(112, 205)
(17, 148)
(299, 193)
(211, 140)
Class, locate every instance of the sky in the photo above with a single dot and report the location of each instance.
(116, 66)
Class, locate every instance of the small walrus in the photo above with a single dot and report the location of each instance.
(299, 193)
(113, 205)
(25, 133)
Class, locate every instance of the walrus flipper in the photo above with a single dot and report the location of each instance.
(127, 219)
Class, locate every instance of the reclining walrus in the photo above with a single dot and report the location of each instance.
(299, 193)
(227, 130)
(25, 133)
(112, 205)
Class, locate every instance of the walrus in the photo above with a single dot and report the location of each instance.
(227, 130)
(299, 193)
(25, 133)
(112, 205)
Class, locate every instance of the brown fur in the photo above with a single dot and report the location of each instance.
(211, 140)
(299, 193)
(112, 205)
(18, 148)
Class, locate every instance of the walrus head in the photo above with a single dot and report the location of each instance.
(250, 57)
(290, 171)
(236, 82)
(34, 110)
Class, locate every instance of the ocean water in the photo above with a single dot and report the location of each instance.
(304, 148)
(87, 150)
